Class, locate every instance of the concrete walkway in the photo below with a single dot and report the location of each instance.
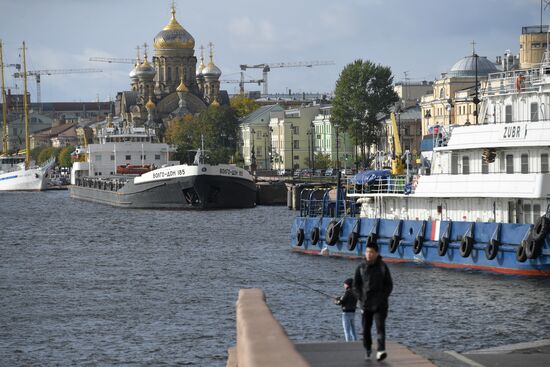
(338, 354)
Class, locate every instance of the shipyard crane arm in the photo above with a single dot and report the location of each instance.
(397, 167)
(266, 67)
(37, 74)
(113, 60)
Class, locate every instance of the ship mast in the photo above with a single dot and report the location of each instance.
(4, 107)
(26, 110)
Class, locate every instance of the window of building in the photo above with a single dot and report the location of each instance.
(454, 164)
(143, 156)
(465, 165)
(442, 93)
(112, 157)
(534, 111)
(508, 114)
(509, 163)
(128, 157)
(484, 167)
(525, 163)
(535, 45)
(98, 157)
(296, 144)
(544, 163)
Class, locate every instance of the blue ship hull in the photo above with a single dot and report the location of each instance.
(508, 236)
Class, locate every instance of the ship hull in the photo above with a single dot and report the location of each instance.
(23, 180)
(200, 192)
(509, 236)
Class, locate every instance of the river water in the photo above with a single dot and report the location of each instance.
(87, 284)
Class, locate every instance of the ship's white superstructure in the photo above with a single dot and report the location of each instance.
(497, 171)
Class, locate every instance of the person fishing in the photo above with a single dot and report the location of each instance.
(348, 301)
(373, 285)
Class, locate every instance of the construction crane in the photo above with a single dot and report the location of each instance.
(242, 82)
(266, 67)
(37, 74)
(113, 60)
(397, 167)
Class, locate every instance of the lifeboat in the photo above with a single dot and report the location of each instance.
(129, 169)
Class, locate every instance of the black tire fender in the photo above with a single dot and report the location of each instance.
(521, 256)
(417, 244)
(315, 235)
(491, 250)
(333, 233)
(442, 246)
(352, 240)
(394, 243)
(533, 248)
(466, 246)
(300, 236)
(541, 229)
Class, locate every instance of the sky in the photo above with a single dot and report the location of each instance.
(418, 39)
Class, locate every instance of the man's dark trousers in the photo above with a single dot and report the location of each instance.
(379, 317)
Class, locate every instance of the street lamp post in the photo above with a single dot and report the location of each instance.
(292, 150)
(265, 150)
(338, 173)
(312, 147)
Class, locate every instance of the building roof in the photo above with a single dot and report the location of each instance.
(466, 67)
(54, 131)
(254, 116)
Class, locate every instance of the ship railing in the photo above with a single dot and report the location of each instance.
(381, 185)
(516, 81)
(321, 202)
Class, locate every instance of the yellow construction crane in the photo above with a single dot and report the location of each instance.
(266, 67)
(38, 73)
(397, 167)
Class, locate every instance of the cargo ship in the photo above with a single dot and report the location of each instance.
(483, 204)
(130, 168)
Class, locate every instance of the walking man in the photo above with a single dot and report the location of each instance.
(373, 285)
(349, 303)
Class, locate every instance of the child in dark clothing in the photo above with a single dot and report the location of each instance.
(349, 303)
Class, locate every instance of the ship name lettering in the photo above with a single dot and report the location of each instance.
(181, 172)
(511, 132)
(158, 175)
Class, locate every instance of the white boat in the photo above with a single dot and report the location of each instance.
(17, 172)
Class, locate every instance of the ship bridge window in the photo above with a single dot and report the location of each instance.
(112, 157)
(465, 165)
(128, 157)
(98, 157)
(527, 214)
(525, 163)
(534, 111)
(509, 163)
(544, 163)
(484, 167)
(508, 114)
(157, 157)
(454, 164)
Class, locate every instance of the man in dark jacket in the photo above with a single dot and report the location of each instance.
(349, 303)
(373, 285)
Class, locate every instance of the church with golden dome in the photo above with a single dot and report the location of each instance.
(171, 84)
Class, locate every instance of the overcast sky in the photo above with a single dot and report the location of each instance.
(422, 37)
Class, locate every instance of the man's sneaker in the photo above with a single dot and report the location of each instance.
(367, 355)
(381, 355)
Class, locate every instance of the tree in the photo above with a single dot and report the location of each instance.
(243, 105)
(217, 125)
(363, 91)
(322, 161)
(64, 158)
(46, 153)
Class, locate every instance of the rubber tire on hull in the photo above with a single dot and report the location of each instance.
(466, 246)
(541, 229)
(315, 235)
(533, 248)
(333, 233)
(394, 243)
(371, 239)
(352, 240)
(491, 250)
(417, 244)
(300, 236)
(442, 246)
(520, 252)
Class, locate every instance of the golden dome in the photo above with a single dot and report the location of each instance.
(145, 70)
(150, 104)
(182, 87)
(173, 36)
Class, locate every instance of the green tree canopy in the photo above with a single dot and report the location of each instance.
(46, 153)
(64, 158)
(243, 105)
(363, 91)
(217, 125)
(322, 161)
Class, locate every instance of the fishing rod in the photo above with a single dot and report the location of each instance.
(288, 279)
